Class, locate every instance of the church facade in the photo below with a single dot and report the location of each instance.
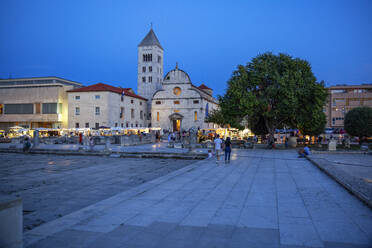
(174, 102)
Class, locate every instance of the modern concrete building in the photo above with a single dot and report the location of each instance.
(100, 105)
(343, 98)
(180, 105)
(35, 102)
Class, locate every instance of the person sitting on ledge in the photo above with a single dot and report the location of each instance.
(303, 152)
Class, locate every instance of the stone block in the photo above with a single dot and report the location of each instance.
(11, 224)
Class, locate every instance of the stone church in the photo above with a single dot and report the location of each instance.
(174, 102)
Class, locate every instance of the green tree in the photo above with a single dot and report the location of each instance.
(358, 122)
(275, 91)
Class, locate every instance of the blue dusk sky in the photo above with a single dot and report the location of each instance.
(96, 41)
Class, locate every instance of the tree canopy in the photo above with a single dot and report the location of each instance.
(358, 122)
(274, 91)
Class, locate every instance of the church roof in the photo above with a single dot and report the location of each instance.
(106, 87)
(150, 40)
(204, 87)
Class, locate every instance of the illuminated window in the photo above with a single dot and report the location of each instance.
(176, 102)
(157, 116)
(177, 91)
(1, 109)
(196, 115)
(176, 111)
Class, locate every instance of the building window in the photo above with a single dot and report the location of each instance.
(50, 108)
(141, 115)
(116, 124)
(132, 101)
(122, 98)
(196, 101)
(122, 113)
(177, 91)
(157, 116)
(127, 124)
(144, 79)
(98, 112)
(150, 79)
(141, 103)
(77, 125)
(131, 125)
(77, 97)
(1, 109)
(98, 97)
(97, 125)
(158, 102)
(26, 108)
(195, 115)
(77, 111)
(147, 57)
(176, 102)
(132, 113)
(176, 111)
(136, 124)
(159, 59)
(143, 68)
(150, 68)
(122, 124)
(87, 125)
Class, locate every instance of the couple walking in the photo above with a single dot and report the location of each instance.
(219, 144)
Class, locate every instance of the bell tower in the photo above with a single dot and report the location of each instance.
(150, 66)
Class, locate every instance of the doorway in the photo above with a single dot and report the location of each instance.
(176, 125)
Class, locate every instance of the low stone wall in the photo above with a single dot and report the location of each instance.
(11, 222)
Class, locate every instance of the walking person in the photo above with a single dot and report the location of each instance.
(227, 150)
(26, 144)
(217, 148)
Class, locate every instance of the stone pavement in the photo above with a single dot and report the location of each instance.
(53, 186)
(263, 198)
(354, 171)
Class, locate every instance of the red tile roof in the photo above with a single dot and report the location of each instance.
(106, 87)
(204, 87)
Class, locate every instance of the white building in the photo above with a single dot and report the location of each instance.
(102, 105)
(150, 66)
(174, 102)
(180, 105)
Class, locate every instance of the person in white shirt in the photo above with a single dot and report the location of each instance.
(217, 147)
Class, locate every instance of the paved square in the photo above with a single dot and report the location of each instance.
(261, 199)
(52, 186)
